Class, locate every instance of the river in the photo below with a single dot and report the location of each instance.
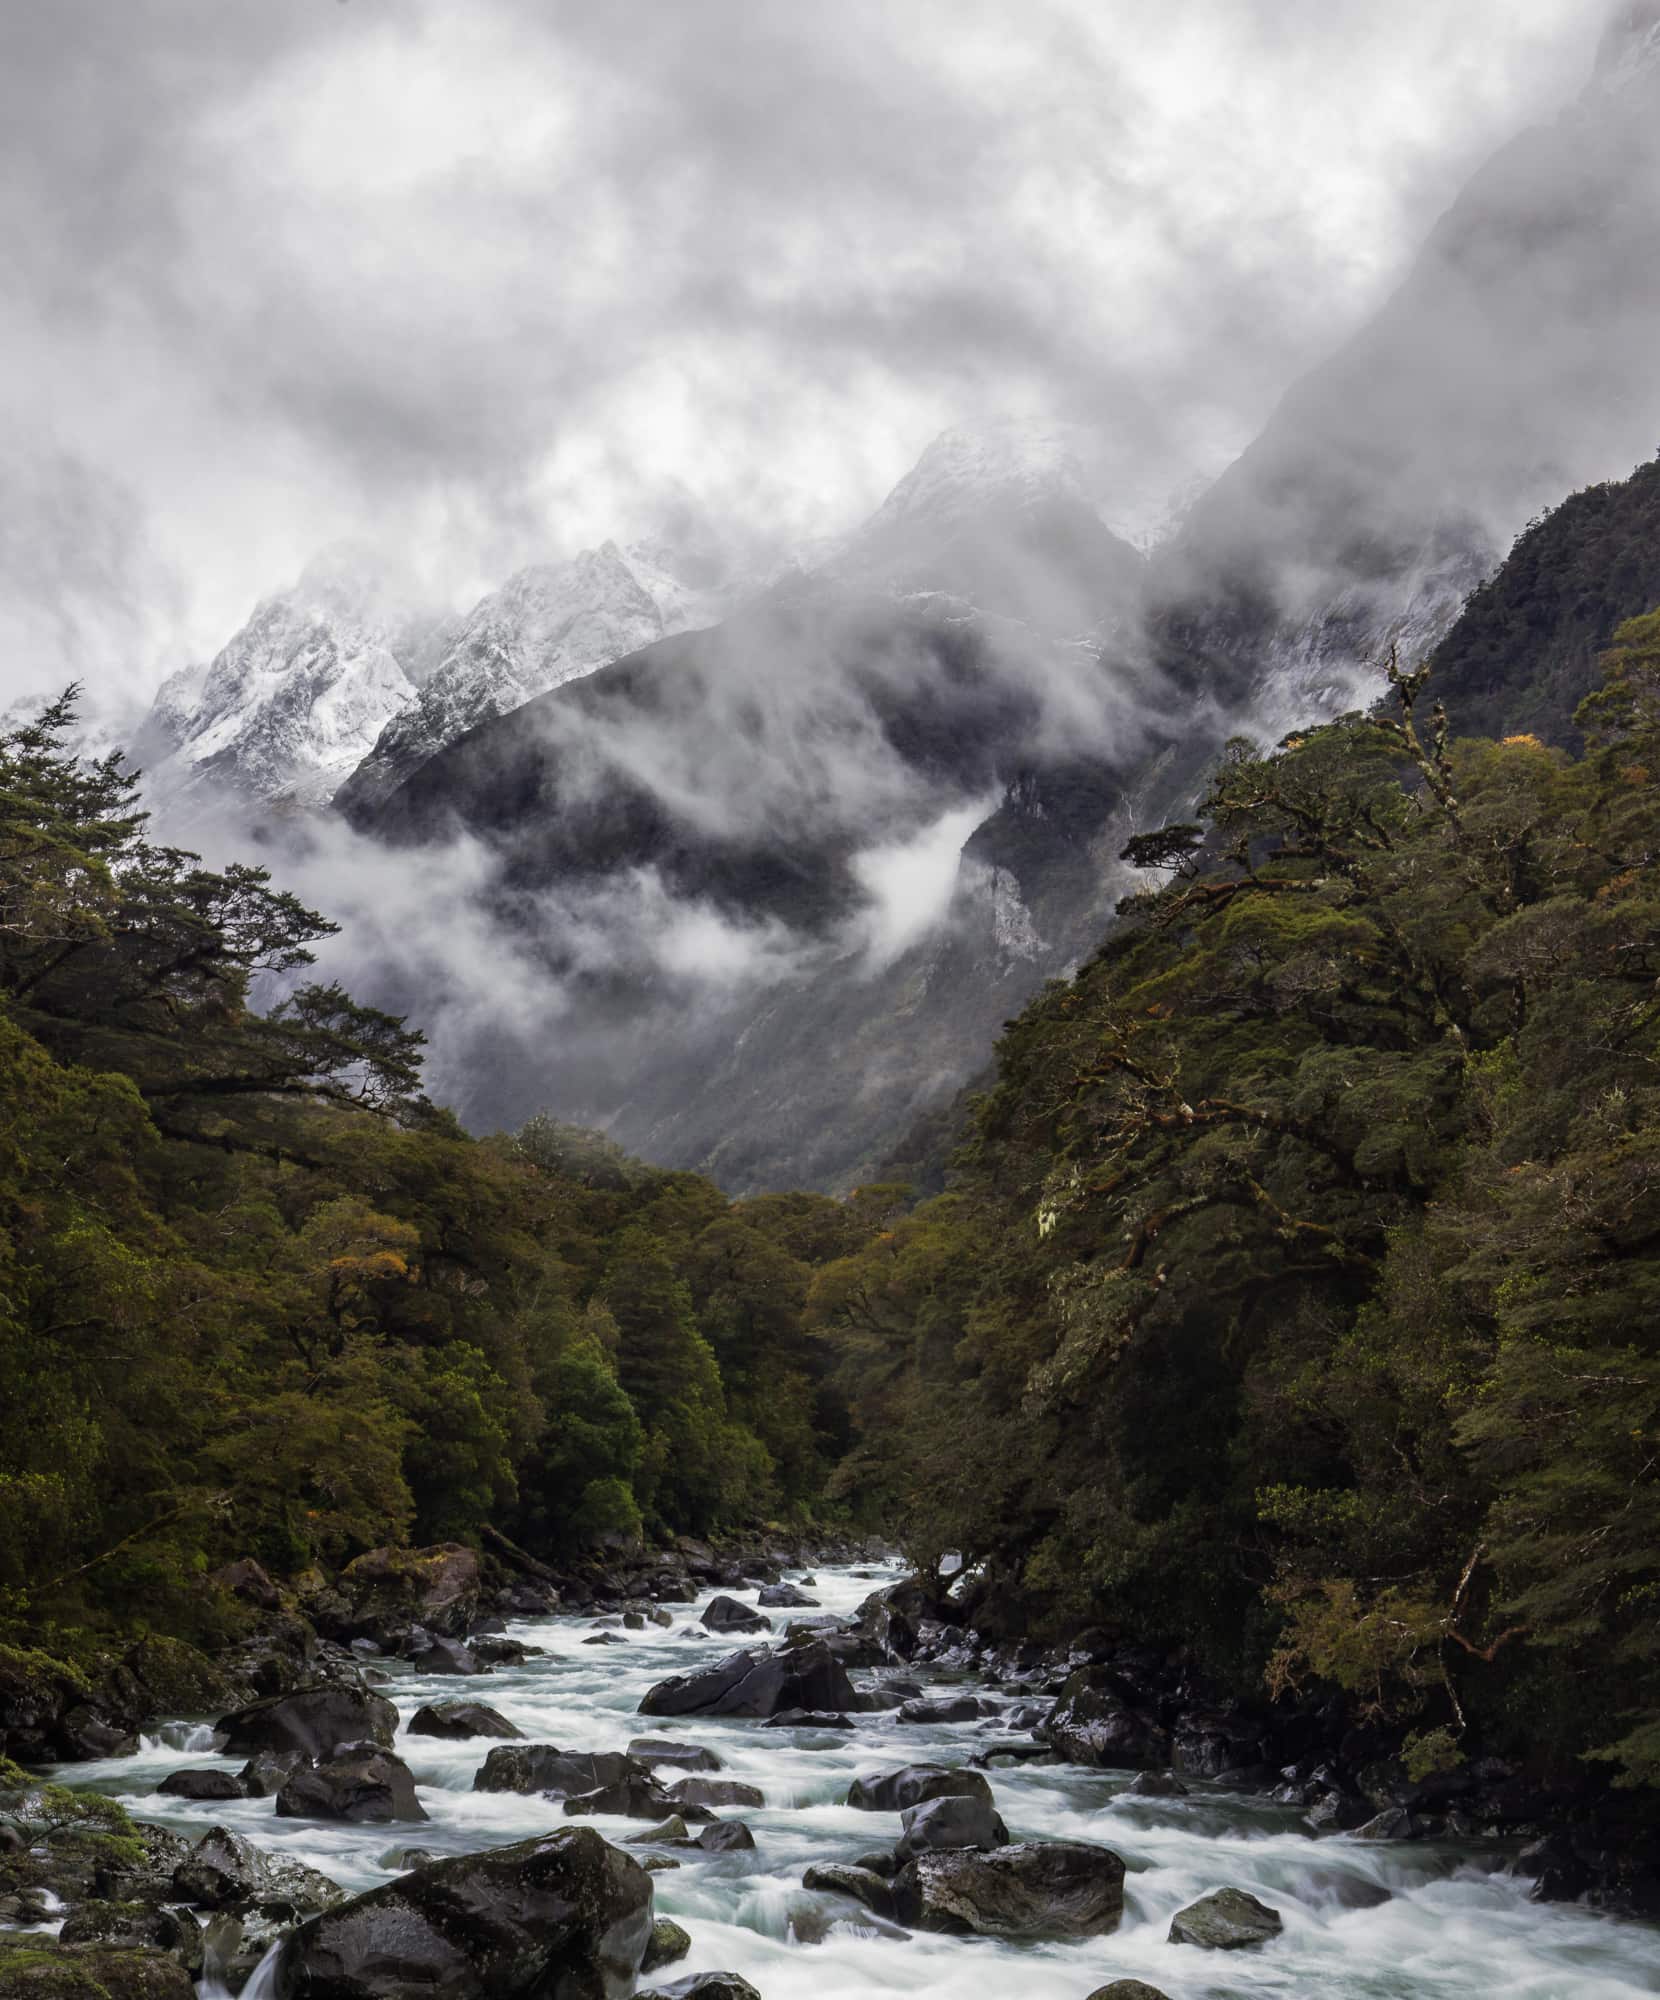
(1455, 1925)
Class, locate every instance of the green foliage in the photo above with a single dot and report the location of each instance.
(258, 1298)
(1297, 1296)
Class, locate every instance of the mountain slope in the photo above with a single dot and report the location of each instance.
(1515, 364)
(296, 699)
(1525, 652)
(547, 625)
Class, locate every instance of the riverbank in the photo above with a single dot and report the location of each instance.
(1437, 1914)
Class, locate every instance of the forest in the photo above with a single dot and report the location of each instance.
(1294, 1300)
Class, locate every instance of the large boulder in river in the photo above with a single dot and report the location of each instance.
(757, 1683)
(1038, 1889)
(784, 1597)
(384, 1594)
(456, 1719)
(1092, 1723)
(366, 1787)
(1128, 1989)
(864, 1885)
(893, 1791)
(314, 1721)
(224, 1870)
(541, 1767)
(1225, 1920)
(726, 1614)
(892, 1619)
(654, 1750)
(564, 1916)
(637, 1797)
(950, 1822)
(715, 1792)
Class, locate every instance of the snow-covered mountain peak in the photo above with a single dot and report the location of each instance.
(962, 471)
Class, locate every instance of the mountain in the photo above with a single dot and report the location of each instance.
(1515, 364)
(723, 852)
(297, 698)
(549, 624)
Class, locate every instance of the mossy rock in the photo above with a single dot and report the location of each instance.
(42, 1969)
(177, 1679)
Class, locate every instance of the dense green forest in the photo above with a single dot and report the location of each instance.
(1297, 1297)
(258, 1297)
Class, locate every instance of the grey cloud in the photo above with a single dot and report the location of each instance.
(476, 280)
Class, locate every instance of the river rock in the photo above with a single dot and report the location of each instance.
(206, 1785)
(673, 1832)
(1154, 1785)
(365, 1788)
(633, 1798)
(893, 1791)
(542, 1767)
(1092, 1723)
(42, 1968)
(805, 1718)
(892, 1618)
(130, 1926)
(387, 1592)
(654, 1750)
(1128, 1989)
(1038, 1889)
(951, 1708)
(726, 1614)
(705, 1986)
(953, 1821)
(490, 1652)
(314, 1721)
(1225, 1920)
(758, 1684)
(1210, 1743)
(224, 1869)
(446, 1656)
(266, 1772)
(864, 1885)
(561, 1915)
(785, 1597)
(455, 1719)
(726, 1836)
(1393, 1823)
(667, 1945)
(715, 1792)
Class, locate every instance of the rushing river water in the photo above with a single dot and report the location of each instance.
(1454, 1927)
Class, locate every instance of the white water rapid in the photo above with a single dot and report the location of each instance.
(1362, 1921)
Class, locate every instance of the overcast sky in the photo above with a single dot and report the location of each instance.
(484, 281)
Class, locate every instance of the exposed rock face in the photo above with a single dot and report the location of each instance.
(1039, 1889)
(807, 1676)
(1225, 1920)
(564, 1914)
(314, 1721)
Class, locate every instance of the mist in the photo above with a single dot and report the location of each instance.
(487, 285)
